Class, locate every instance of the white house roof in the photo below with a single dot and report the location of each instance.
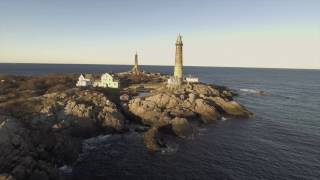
(88, 76)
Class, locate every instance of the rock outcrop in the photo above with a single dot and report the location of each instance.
(32, 153)
(196, 100)
(179, 108)
(39, 134)
(83, 111)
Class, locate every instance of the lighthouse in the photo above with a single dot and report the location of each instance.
(176, 80)
(135, 69)
(178, 68)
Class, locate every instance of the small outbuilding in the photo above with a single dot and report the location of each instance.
(85, 80)
(191, 79)
(174, 81)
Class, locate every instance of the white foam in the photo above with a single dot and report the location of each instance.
(170, 149)
(66, 169)
(253, 91)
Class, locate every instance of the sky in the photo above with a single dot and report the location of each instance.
(227, 33)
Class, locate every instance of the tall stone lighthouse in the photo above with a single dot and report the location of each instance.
(178, 68)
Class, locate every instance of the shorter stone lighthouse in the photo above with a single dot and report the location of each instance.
(135, 69)
(178, 68)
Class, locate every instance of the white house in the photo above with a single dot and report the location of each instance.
(85, 80)
(107, 80)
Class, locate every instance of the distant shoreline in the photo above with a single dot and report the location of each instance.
(146, 65)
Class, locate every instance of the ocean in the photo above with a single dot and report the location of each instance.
(282, 141)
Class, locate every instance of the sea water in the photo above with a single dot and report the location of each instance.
(282, 141)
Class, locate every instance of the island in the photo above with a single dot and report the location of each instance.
(45, 118)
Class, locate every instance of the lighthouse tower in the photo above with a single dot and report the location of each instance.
(178, 68)
(135, 69)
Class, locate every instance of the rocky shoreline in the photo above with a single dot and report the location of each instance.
(44, 119)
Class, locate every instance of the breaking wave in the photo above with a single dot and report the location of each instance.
(253, 91)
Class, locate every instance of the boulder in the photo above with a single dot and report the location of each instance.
(205, 90)
(111, 119)
(232, 108)
(183, 112)
(145, 110)
(192, 97)
(150, 139)
(208, 113)
(181, 127)
(78, 110)
(164, 100)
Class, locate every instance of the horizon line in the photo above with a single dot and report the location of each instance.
(244, 67)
